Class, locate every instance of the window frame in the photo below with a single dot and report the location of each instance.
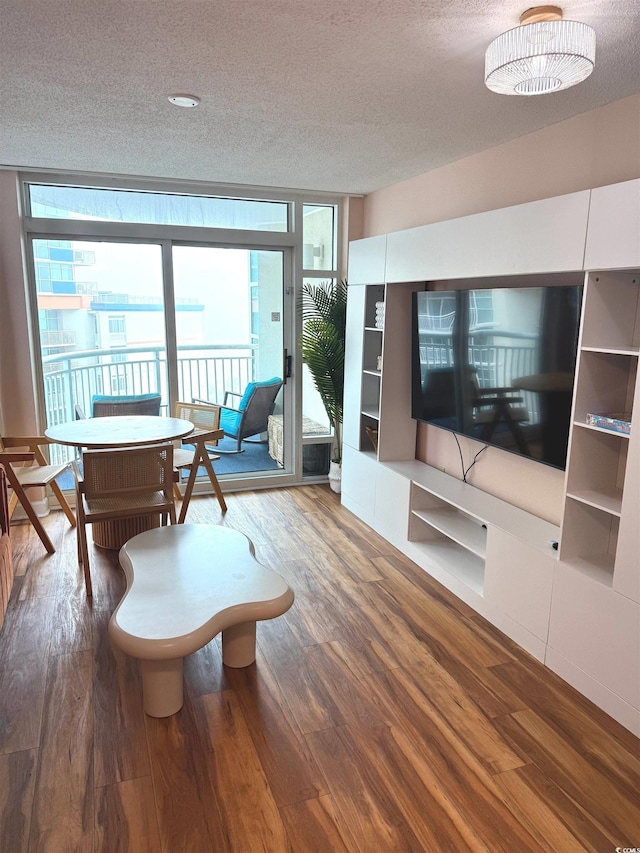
(291, 241)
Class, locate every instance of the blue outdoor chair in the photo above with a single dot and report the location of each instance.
(103, 406)
(251, 415)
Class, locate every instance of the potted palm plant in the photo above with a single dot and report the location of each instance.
(324, 319)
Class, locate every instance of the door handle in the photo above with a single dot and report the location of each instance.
(286, 366)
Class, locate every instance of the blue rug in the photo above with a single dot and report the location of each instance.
(254, 457)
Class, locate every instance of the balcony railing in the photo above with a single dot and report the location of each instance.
(57, 338)
(204, 372)
(497, 359)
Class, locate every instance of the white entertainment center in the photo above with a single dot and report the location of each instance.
(568, 594)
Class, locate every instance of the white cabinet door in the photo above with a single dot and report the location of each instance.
(598, 631)
(367, 260)
(518, 580)
(392, 506)
(538, 237)
(359, 472)
(613, 233)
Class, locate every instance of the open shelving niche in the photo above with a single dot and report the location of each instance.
(450, 522)
(371, 373)
(457, 540)
(606, 379)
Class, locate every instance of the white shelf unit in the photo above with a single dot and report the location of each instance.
(468, 532)
(456, 540)
(600, 483)
(557, 605)
(397, 438)
(371, 373)
(610, 317)
(450, 521)
(605, 381)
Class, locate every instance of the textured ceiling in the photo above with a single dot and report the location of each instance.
(312, 94)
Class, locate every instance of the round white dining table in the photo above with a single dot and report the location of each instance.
(114, 432)
(118, 431)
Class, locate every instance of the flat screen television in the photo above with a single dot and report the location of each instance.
(498, 365)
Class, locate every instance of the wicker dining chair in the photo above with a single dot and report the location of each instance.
(206, 421)
(118, 484)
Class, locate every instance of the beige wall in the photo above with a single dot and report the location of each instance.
(590, 150)
(594, 149)
(352, 223)
(17, 407)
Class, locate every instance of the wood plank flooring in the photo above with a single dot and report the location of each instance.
(382, 715)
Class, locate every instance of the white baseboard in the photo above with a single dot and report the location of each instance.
(611, 704)
(41, 508)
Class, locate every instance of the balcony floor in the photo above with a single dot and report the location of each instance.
(255, 457)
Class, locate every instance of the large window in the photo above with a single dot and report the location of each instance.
(152, 208)
(191, 295)
(319, 236)
(116, 325)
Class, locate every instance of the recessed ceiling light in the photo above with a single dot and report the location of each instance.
(184, 100)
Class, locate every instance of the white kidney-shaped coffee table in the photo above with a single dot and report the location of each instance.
(185, 584)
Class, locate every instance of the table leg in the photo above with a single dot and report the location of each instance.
(162, 686)
(239, 645)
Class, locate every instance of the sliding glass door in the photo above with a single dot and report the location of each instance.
(147, 286)
(104, 327)
(101, 321)
(229, 320)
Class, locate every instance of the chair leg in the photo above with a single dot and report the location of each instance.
(56, 489)
(87, 578)
(83, 555)
(31, 513)
(63, 503)
(239, 447)
(193, 470)
(214, 481)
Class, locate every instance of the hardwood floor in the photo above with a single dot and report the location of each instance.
(382, 714)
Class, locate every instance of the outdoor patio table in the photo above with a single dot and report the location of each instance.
(119, 431)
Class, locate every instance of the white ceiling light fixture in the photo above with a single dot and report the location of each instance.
(544, 54)
(184, 100)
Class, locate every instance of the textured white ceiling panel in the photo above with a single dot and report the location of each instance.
(326, 95)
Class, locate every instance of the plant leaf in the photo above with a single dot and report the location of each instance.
(323, 307)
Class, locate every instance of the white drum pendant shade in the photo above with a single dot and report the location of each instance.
(534, 59)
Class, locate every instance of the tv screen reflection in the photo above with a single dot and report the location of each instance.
(498, 365)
